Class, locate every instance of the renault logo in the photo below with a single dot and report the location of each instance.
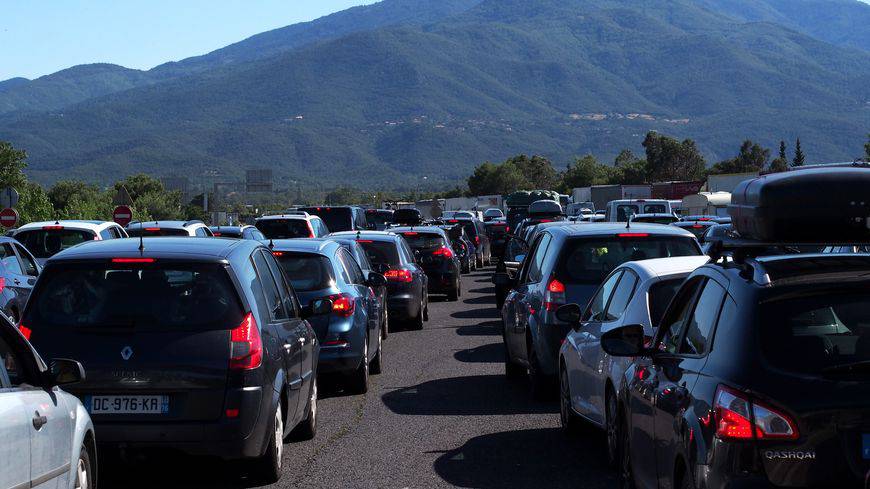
(126, 353)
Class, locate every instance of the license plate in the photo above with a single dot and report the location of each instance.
(866, 446)
(128, 404)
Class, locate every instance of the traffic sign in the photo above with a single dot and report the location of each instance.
(122, 215)
(8, 217)
(8, 197)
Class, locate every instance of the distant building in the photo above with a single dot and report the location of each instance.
(181, 184)
(259, 180)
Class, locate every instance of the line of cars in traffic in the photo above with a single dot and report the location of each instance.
(743, 366)
(206, 346)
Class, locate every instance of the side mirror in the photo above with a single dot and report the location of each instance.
(569, 313)
(319, 307)
(376, 280)
(626, 341)
(502, 280)
(62, 371)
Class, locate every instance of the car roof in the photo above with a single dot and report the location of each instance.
(665, 267)
(382, 235)
(653, 214)
(164, 224)
(68, 223)
(202, 249)
(306, 245)
(419, 229)
(285, 217)
(612, 228)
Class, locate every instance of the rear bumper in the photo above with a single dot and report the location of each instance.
(403, 306)
(339, 360)
(442, 281)
(229, 438)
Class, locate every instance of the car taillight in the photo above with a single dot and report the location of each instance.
(133, 260)
(477, 240)
(735, 414)
(554, 295)
(342, 305)
(399, 275)
(152, 230)
(310, 231)
(52, 228)
(25, 331)
(632, 235)
(2, 284)
(246, 346)
(443, 251)
(507, 229)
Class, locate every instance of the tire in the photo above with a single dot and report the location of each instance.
(359, 379)
(84, 470)
(499, 299)
(572, 425)
(267, 468)
(542, 388)
(511, 370)
(479, 261)
(453, 295)
(416, 322)
(307, 429)
(688, 481)
(385, 328)
(625, 473)
(611, 428)
(426, 312)
(376, 367)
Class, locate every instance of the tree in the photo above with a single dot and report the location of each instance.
(12, 165)
(778, 165)
(782, 155)
(538, 171)
(668, 159)
(139, 185)
(752, 158)
(799, 157)
(585, 172)
(867, 149)
(628, 169)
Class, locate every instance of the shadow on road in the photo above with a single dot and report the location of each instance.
(483, 290)
(527, 459)
(491, 353)
(488, 328)
(481, 313)
(466, 396)
(480, 300)
(167, 469)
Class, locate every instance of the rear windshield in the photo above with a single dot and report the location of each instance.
(46, 243)
(656, 219)
(623, 211)
(149, 297)
(156, 232)
(588, 261)
(381, 252)
(306, 271)
(284, 228)
(337, 219)
(655, 209)
(423, 241)
(226, 233)
(378, 218)
(822, 334)
(470, 228)
(697, 229)
(660, 295)
(410, 216)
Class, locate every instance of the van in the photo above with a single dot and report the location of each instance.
(620, 210)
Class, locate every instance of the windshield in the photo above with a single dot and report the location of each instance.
(337, 219)
(306, 272)
(423, 241)
(406, 216)
(44, 243)
(378, 219)
(813, 334)
(284, 228)
(156, 232)
(655, 209)
(381, 252)
(150, 297)
(588, 261)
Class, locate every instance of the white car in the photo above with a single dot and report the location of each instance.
(296, 224)
(636, 292)
(47, 238)
(46, 435)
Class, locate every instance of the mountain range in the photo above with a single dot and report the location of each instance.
(386, 94)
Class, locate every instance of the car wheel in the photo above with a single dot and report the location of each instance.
(541, 388)
(267, 469)
(453, 295)
(359, 379)
(84, 470)
(307, 429)
(688, 481)
(426, 311)
(377, 365)
(511, 370)
(612, 430)
(626, 475)
(571, 424)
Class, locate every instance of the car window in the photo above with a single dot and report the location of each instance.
(354, 273)
(44, 243)
(118, 232)
(9, 260)
(106, 234)
(595, 310)
(535, 273)
(30, 267)
(256, 234)
(13, 365)
(676, 315)
(621, 296)
(699, 329)
(270, 289)
(201, 232)
(363, 260)
(283, 285)
(660, 295)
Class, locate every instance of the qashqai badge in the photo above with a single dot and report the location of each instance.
(126, 353)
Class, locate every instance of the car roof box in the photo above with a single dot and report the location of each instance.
(813, 205)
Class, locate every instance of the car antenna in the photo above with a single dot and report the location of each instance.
(141, 239)
(271, 244)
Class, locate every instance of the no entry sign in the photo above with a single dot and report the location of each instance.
(122, 215)
(9, 217)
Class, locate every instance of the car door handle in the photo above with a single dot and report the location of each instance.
(39, 421)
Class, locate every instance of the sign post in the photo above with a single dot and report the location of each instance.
(8, 217)
(122, 215)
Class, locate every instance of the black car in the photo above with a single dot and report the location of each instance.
(195, 345)
(407, 217)
(237, 232)
(18, 273)
(378, 219)
(476, 231)
(462, 245)
(432, 248)
(339, 218)
(698, 228)
(498, 232)
(407, 283)
(379, 309)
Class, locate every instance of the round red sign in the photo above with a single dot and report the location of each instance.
(122, 215)
(8, 217)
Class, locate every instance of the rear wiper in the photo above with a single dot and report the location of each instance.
(847, 368)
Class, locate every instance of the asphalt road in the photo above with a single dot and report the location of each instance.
(441, 415)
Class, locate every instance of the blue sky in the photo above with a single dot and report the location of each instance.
(38, 37)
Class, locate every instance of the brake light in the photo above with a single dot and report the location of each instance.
(25, 331)
(411, 234)
(277, 253)
(453, 221)
(133, 260)
(52, 228)
(246, 346)
(2, 284)
(555, 295)
(443, 251)
(364, 241)
(734, 414)
(232, 413)
(400, 275)
(342, 304)
(632, 235)
(217, 235)
(336, 343)
(546, 220)
(507, 229)
(152, 230)
(477, 240)
(697, 226)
